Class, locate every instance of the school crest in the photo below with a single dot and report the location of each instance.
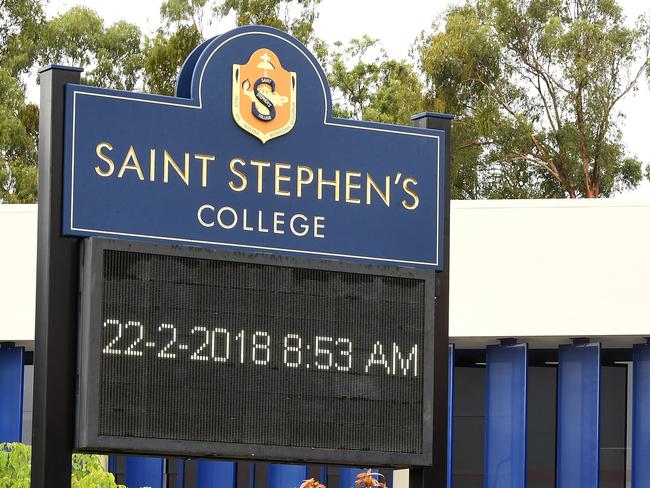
(264, 96)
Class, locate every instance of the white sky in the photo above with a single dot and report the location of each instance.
(396, 25)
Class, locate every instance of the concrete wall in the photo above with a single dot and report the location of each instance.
(555, 268)
(534, 269)
(17, 272)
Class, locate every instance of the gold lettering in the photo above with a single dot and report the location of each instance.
(260, 172)
(335, 183)
(131, 156)
(185, 175)
(204, 167)
(152, 164)
(106, 159)
(244, 181)
(370, 183)
(414, 195)
(279, 178)
(303, 181)
(349, 186)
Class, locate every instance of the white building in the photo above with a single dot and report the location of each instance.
(542, 273)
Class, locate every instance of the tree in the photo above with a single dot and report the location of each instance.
(111, 57)
(164, 55)
(374, 88)
(536, 85)
(20, 23)
(18, 143)
(294, 16)
(181, 31)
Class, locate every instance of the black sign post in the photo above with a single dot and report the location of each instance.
(55, 348)
(436, 475)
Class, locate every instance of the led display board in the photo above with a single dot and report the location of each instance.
(200, 352)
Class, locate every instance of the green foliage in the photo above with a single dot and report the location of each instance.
(15, 469)
(164, 55)
(119, 58)
(373, 88)
(111, 57)
(88, 472)
(15, 465)
(536, 84)
(18, 142)
(20, 22)
(294, 16)
(183, 12)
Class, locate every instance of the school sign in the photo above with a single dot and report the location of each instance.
(248, 157)
(234, 273)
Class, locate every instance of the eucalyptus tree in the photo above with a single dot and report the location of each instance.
(537, 86)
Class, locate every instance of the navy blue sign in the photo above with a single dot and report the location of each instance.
(247, 156)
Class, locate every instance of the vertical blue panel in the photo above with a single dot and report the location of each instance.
(641, 417)
(180, 480)
(451, 357)
(11, 393)
(285, 475)
(323, 478)
(348, 476)
(578, 412)
(505, 416)
(215, 473)
(144, 471)
(112, 465)
(251, 475)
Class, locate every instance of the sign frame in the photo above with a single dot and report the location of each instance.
(88, 398)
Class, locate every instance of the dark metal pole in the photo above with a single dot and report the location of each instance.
(55, 348)
(436, 475)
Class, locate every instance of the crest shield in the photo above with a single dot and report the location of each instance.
(264, 96)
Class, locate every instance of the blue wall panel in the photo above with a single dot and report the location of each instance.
(180, 479)
(11, 393)
(641, 417)
(348, 476)
(286, 475)
(578, 418)
(505, 416)
(323, 475)
(210, 474)
(144, 471)
(450, 416)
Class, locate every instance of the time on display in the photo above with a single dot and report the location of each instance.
(258, 347)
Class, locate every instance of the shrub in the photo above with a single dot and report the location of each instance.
(86, 469)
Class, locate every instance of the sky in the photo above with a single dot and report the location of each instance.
(396, 25)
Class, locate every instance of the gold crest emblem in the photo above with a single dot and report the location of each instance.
(264, 96)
